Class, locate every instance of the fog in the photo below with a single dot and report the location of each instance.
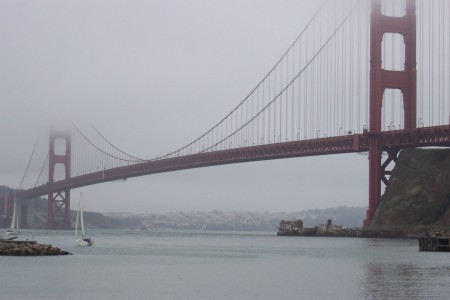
(152, 76)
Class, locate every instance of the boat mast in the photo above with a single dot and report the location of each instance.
(13, 219)
(6, 202)
(76, 224)
(82, 221)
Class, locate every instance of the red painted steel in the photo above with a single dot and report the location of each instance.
(59, 199)
(423, 137)
(375, 141)
(380, 80)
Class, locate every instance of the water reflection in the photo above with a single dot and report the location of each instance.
(390, 280)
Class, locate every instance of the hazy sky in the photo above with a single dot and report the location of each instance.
(152, 76)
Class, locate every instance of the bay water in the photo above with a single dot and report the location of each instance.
(144, 264)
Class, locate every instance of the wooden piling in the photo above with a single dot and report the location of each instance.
(434, 243)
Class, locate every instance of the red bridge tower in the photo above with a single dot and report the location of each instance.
(59, 200)
(380, 80)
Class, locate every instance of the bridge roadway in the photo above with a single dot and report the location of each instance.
(421, 137)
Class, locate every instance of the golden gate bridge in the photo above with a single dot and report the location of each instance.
(372, 76)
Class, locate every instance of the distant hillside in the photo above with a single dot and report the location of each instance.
(91, 219)
(246, 221)
(4, 222)
(418, 193)
(210, 220)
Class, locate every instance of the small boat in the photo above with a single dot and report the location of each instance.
(81, 240)
(10, 232)
(14, 228)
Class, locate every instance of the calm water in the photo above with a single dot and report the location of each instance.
(211, 265)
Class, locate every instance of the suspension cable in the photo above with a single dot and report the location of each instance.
(28, 165)
(98, 132)
(42, 169)
(294, 79)
(251, 93)
(102, 151)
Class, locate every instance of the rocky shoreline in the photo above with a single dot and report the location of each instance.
(28, 248)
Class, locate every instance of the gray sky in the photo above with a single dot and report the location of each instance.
(153, 76)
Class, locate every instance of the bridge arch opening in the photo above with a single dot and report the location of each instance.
(393, 8)
(392, 117)
(59, 172)
(60, 146)
(393, 52)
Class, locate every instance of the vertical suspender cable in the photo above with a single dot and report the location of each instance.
(313, 88)
(350, 76)
(264, 113)
(286, 96)
(367, 35)
(342, 108)
(430, 74)
(358, 98)
(281, 100)
(440, 110)
(305, 109)
(318, 83)
(441, 57)
(293, 96)
(421, 85)
(257, 119)
(385, 66)
(336, 83)
(267, 117)
(274, 106)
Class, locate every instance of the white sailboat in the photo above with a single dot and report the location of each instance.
(81, 240)
(14, 228)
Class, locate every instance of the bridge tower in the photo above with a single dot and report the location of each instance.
(380, 80)
(59, 200)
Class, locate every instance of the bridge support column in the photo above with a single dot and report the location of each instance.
(7, 207)
(380, 80)
(393, 154)
(59, 200)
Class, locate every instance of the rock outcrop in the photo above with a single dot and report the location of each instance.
(28, 248)
(418, 193)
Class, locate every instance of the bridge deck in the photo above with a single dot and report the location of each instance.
(421, 137)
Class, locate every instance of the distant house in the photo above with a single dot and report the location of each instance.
(290, 227)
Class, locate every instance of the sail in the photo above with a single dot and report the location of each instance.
(81, 241)
(13, 220)
(82, 222)
(76, 224)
